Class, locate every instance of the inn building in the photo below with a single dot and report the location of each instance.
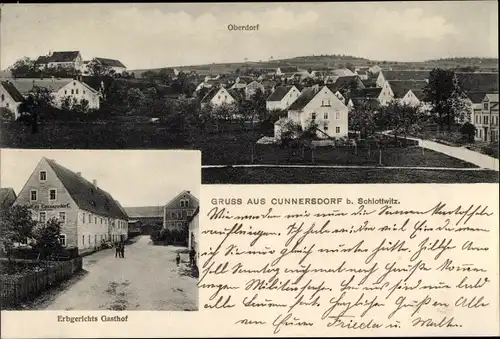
(88, 214)
(179, 211)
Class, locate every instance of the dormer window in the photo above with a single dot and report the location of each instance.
(43, 175)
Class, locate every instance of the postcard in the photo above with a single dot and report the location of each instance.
(249, 169)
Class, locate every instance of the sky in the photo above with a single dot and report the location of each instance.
(134, 178)
(168, 35)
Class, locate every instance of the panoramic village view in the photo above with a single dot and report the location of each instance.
(69, 244)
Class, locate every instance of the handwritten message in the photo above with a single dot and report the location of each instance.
(347, 263)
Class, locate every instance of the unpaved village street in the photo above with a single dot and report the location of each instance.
(146, 279)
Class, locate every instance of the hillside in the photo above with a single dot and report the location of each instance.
(336, 61)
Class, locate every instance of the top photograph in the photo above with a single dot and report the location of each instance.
(271, 93)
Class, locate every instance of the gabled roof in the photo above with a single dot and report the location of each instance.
(342, 72)
(12, 90)
(67, 56)
(43, 59)
(344, 82)
(419, 93)
(26, 85)
(145, 212)
(401, 87)
(406, 75)
(86, 195)
(112, 62)
(371, 102)
(211, 94)
(366, 93)
(279, 93)
(492, 97)
(476, 97)
(304, 98)
(478, 82)
(178, 195)
(269, 83)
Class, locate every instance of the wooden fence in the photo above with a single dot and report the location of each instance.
(15, 289)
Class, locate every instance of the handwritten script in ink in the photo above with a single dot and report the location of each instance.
(346, 265)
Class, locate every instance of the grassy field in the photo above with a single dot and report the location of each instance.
(228, 148)
(341, 176)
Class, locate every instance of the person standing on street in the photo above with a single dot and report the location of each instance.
(192, 256)
(117, 250)
(178, 259)
(122, 250)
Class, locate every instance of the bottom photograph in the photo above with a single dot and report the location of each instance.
(99, 230)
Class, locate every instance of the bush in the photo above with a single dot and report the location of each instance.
(491, 150)
(453, 137)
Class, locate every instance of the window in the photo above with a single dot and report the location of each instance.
(179, 215)
(218, 97)
(89, 240)
(485, 106)
(337, 129)
(477, 119)
(101, 221)
(83, 240)
(173, 214)
(83, 91)
(72, 91)
(42, 217)
(3, 97)
(83, 218)
(62, 239)
(74, 83)
(485, 119)
(313, 116)
(95, 239)
(77, 91)
(7, 105)
(52, 194)
(62, 217)
(189, 213)
(337, 115)
(43, 175)
(95, 220)
(65, 92)
(325, 126)
(33, 195)
(325, 115)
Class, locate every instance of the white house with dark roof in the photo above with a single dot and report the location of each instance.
(75, 89)
(406, 91)
(486, 120)
(10, 97)
(218, 97)
(112, 64)
(282, 70)
(282, 97)
(88, 214)
(322, 106)
(65, 59)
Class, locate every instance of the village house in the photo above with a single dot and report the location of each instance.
(419, 75)
(383, 96)
(345, 85)
(179, 210)
(371, 103)
(282, 98)
(112, 65)
(10, 97)
(476, 86)
(7, 198)
(88, 214)
(282, 70)
(486, 122)
(363, 74)
(252, 88)
(322, 106)
(218, 97)
(404, 91)
(145, 218)
(375, 69)
(74, 89)
(67, 60)
(194, 233)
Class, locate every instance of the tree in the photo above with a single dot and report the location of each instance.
(362, 118)
(6, 114)
(16, 225)
(447, 99)
(468, 130)
(97, 69)
(38, 101)
(22, 67)
(46, 237)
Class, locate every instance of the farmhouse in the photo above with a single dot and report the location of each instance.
(113, 65)
(179, 210)
(145, 218)
(74, 89)
(382, 96)
(88, 214)
(67, 59)
(404, 91)
(323, 107)
(218, 97)
(282, 97)
(10, 97)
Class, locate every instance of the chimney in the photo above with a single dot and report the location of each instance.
(79, 174)
(94, 182)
